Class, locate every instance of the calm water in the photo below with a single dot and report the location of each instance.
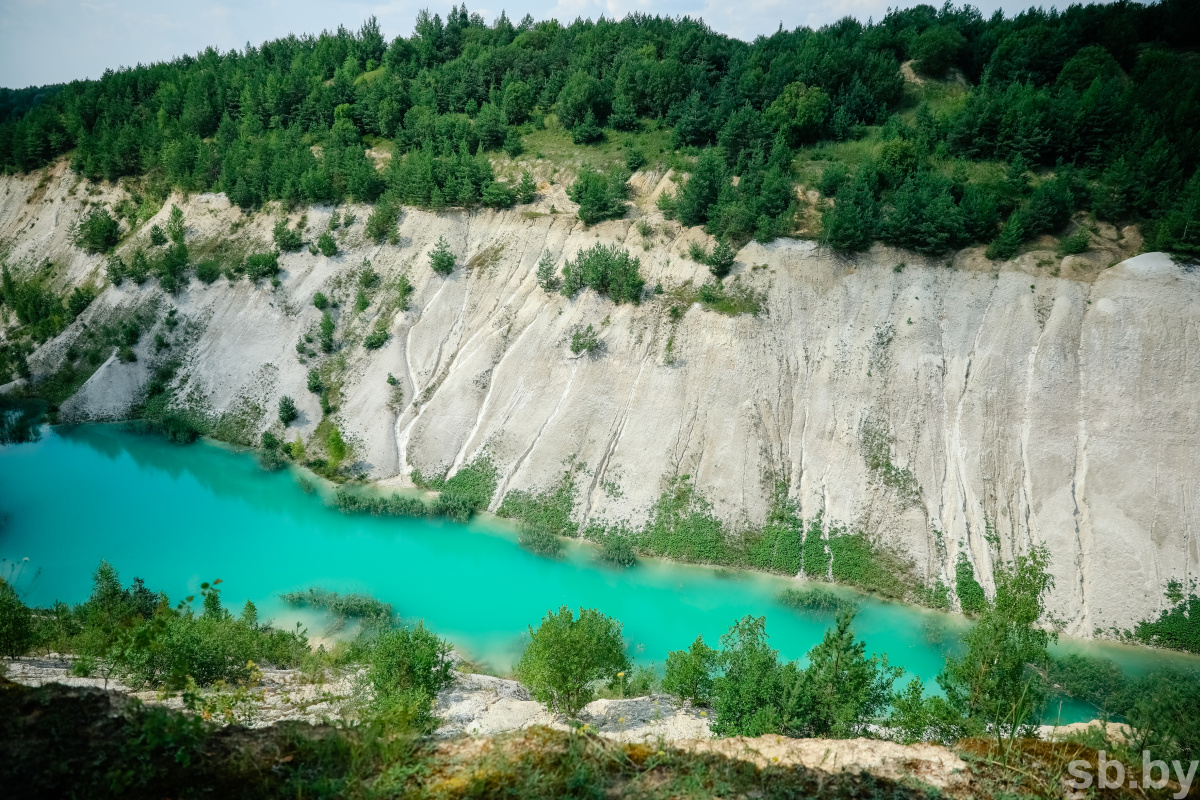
(176, 516)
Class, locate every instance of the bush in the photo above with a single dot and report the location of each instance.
(320, 301)
(722, 259)
(98, 232)
(585, 340)
(80, 298)
(441, 260)
(587, 131)
(513, 146)
(1177, 626)
(326, 333)
(314, 381)
(526, 189)
(566, 655)
(327, 245)
(381, 225)
(617, 550)
(288, 240)
(287, 410)
(16, 623)
(262, 265)
(635, 159)
(971, 598)
(407, 669)
(539, 539)
(816, 599)
(157, 237)
(689, 674)
(377, 337)
(608, 270)
(600, 196)
(498, 195)
(1078, 242)
(547, 275)
(208, 270)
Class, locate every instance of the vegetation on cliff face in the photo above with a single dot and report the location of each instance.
(1009, 125)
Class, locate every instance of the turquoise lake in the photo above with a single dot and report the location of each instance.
(179, 515)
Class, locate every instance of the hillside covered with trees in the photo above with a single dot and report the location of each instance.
(1021, 122)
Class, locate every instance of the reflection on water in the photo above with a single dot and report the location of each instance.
(176, 516)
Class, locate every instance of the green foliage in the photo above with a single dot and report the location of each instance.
(407, 668)
(587, 131)
(98, 232)
(513, 146)
(538, 539)
(17, 633)
(547, 274)
(682, 527)
(34, 305)
(526, 189)
(327, 245)
(381, 224)
(721, 261)
(377, 337)
(498, 195)
(314, 381)
(851, 223)
(157, 237)
(600, 195)
(208, 270)
(288, 240)
(997, 682)
(176, 230)
(937, 49)
(287, 410)
(750, 694)
(320, 301)
(814, 554)
(261, 265)
(608, 270)
(817, 599)
(550, 509)
(617, 550)
(567, 654)
(799, 112)
(689, 673)
(325, 335)
(1078, 242)
(441, 259)
(470, 489)
(585, 340)
(971, 597)
(335, 447)
(1178, 625)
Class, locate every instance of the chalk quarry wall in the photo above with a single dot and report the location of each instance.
(1028, 408)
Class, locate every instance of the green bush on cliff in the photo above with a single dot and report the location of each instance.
(566, 655)
(1178, 625)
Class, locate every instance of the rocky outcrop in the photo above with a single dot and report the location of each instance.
(944, 407)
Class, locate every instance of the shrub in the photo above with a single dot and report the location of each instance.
(262, 265)
(547, 275)
(381, 225)
(287, 410)
(335, 447)
(314, 381)
(441, 260)
(971, 598)
(1076, 243)
(689, 674)
(585, 340)
(408, 667)
(327, 245)
(635, 159)
(1177, 626)
(587, 131)
(526, 189)
(608, 270)
(617, 550)
(98, 232)
(722, 259)
(80, 298)
(816, 599)
(157, 237)
(468, 490)
(498, 195)
(566, 655)
(600, 196)
(377, 337)
(288, 240)
(539, 539)
(208, 270)
(326, 332)
(16, 623)
(512, 144)
(176, 231)
(320, 301)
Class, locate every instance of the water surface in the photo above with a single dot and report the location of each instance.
(176, 516)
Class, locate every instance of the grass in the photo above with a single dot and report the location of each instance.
(730, 298)
(550, 152)
(817, 599)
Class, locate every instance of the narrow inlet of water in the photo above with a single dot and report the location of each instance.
(179, 515)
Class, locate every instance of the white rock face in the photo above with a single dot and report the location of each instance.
(1015, 410)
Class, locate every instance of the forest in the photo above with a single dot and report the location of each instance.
(1019, 122)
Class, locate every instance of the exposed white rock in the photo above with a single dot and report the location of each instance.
(1027, 408)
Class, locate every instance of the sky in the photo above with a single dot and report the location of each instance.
(55, 41)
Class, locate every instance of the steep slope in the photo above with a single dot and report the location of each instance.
(941, 408)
